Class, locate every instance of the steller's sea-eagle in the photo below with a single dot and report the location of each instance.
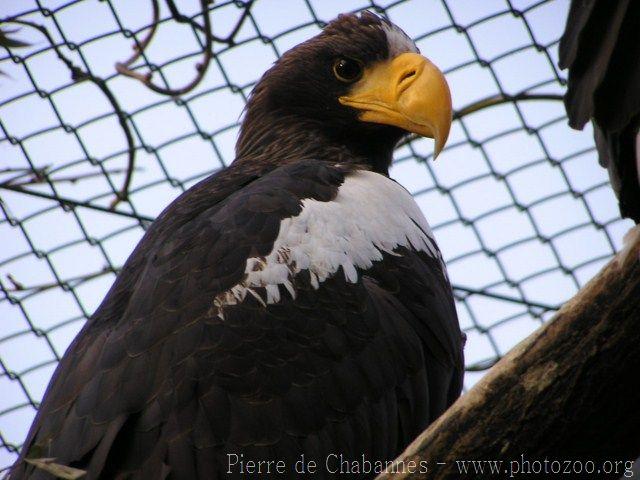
(292, 306)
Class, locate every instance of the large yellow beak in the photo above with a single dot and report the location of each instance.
(408, 92)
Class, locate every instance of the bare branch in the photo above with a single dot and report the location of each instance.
(569, 391)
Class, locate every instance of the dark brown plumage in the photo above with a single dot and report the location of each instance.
(175, 372)
(283, 108)
(601, 49)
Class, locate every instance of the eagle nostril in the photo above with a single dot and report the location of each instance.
(407, 75)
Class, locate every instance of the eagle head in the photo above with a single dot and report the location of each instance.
(357, 87)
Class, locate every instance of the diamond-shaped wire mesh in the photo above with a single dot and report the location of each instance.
(89, 156)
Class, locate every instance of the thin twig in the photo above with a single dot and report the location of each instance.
(17, 285)
(491, 102)
(20, 287)
(7, 42)
(500, 99)
(38, 176)
(69, 203)
(482, 365)
(139, 47)
(73, 68)
(506, 298)
(229, 39)
(201, 68)
(24, 170)
(79, 75)
(123, 193)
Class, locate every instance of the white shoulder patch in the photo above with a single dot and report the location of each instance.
(398, 41)
(371, 214)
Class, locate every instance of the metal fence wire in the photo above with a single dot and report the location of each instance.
(110, 109)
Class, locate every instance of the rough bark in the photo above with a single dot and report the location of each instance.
(570, 391)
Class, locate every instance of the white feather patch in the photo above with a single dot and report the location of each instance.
(370, 215)
(398, 41)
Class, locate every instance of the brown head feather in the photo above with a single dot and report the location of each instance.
(294, 112)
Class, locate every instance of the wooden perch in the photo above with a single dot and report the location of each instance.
(570, 391)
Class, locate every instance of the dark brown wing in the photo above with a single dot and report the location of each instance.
(158, 385)
(601, 48)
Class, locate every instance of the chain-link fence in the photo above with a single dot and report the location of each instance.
(97, 138)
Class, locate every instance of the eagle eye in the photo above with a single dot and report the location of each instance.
(347, 70)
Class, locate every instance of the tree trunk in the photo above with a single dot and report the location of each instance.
(569, 392)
